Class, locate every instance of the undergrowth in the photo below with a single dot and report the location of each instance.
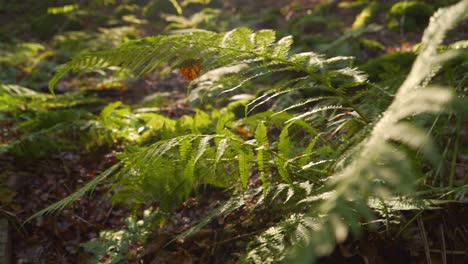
(296, 129)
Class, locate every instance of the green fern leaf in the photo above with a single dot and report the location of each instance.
(316, 110)
(243, 158)
(204, 143)
(262, 160)
(222, 146)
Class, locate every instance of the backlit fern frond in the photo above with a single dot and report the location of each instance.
(362, 153)
(379, 168)
(259, 52)
(14, 98)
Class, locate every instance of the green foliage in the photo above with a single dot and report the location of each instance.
(43, 121)
(153, 10)
(323, 160)
(20, 61)
(262, 159)
(126, 9)
(389, 170)
(125, 244)
(47, 124)
(202, 19)
(62, 9)
(366, 15)
(389, 68)
(408, 15)
(73, 43)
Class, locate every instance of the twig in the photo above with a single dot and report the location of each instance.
(426, 244)
(239, 236)
(451, 252)
(444, 249)
(408, 223)
(455, 154)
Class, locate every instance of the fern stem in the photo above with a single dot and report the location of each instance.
(349, 103)
(409, 223)
(455, 154)
(359, 112)
(342, 95)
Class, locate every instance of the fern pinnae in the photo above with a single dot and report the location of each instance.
(259, 98)
(283, 142)
(271, 96)
(160, 148)
(202, 147)
(303, 157)
(354, 181)
(302, 104)
(156, 61)
(189, 174)
(250, 78)
(262, 160)
(282, 85)
(222, 147)
(358, 76)
(243, 158)
(58, 75)
(315, 163)
(361, 170)
(316, 110)
(185, 145)
(189, 46)
(281, 160)
(418, 141)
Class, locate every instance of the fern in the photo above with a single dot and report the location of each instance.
(357, 182)
(362, 154)
(262, 158)
(240, 46)
(244, 158)
(283, 154)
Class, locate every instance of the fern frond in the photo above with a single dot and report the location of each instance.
(262, 158)
(185, 147)
(202, 147)
(89, 187)
(378, 169)
(283, 154)
(304, 103)
(271, 94)
(222, 146)
(317, 110)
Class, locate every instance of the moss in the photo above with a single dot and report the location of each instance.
(353, 4)
(413, 14)
(371, 44)
(366, 15)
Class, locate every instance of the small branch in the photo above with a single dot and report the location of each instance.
(422, 230)
(444, 249)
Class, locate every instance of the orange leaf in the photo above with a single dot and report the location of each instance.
(190, 69)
